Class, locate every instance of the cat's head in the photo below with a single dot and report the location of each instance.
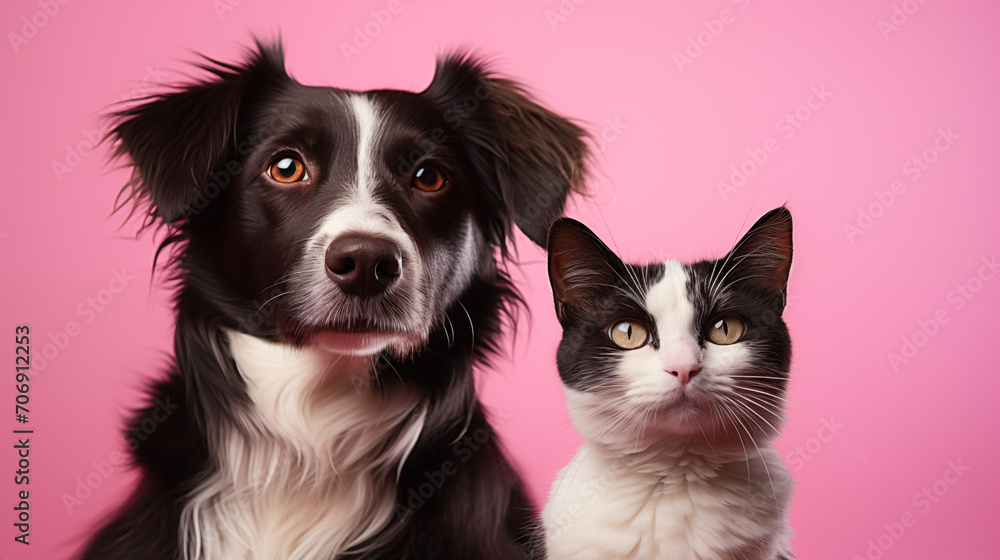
(673, 351)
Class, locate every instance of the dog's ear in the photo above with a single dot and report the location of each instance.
(176, 140)
(533, 158)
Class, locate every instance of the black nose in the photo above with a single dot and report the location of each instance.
(362, 265)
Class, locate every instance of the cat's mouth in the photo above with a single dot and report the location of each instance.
(680, 409)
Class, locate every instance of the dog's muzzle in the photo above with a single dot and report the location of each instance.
(362, 265)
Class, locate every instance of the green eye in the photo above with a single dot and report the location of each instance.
(628, 334)
(726, 329)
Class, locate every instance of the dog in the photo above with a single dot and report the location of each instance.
(336, 258)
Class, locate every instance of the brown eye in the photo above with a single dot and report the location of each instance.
(288, 170)
(726, 329)
(428, 179)
(628, 334)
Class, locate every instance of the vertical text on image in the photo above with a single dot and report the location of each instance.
(22, 433)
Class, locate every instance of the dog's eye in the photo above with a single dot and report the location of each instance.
(428, 179)
(288, 170)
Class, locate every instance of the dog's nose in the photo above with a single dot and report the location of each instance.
(362, 265)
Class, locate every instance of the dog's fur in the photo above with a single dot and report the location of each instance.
(316, 423)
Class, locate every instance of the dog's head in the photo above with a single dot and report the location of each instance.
(350, 220)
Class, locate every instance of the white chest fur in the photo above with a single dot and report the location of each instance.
(681, 507)
(311, 469)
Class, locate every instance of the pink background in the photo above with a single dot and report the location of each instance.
(671, 133)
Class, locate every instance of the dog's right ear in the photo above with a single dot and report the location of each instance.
(176, 140)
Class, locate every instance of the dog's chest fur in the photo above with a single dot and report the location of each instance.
(311, 469)
(683, 507)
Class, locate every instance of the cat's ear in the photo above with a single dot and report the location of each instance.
(764, 254)
(581, 267)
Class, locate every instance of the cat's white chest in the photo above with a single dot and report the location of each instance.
(601, 508)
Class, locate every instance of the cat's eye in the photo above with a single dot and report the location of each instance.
(628, 334)
(726, 329)
(428, 179)
(287, 170)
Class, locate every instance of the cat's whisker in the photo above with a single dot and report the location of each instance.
(746, 453)
(706, 438)
(845, 440)
(721, 281)
(747, 403)
(760, 454)
(765, 394)
(820, 383)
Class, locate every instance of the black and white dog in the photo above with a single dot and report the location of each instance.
(335, 258)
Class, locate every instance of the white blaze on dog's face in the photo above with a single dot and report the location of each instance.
(390, 243)
(363, 282)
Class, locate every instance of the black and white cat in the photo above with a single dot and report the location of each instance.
(675, 375)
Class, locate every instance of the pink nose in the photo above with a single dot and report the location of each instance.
(685, 374)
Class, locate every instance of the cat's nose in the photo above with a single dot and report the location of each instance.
(685, 374)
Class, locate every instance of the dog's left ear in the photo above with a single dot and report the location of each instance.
(529, 158)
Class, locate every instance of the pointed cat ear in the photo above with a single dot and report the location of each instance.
(581, 266)
(764, 254)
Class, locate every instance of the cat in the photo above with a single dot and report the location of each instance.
(675, 376)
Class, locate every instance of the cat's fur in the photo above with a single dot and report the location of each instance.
(677, 462)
